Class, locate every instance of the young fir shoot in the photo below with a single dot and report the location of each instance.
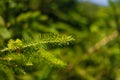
(38, 40)
(31, 51)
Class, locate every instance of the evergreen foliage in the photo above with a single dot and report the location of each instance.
(31, 53)
(35, 45)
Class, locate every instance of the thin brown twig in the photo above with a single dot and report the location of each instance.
(103, 42)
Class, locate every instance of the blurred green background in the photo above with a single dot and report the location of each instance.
(95, 53)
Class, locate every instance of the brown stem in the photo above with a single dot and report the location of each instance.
(103, 42)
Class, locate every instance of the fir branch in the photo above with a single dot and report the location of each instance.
(51, 59)
(38, 40)
(39, 57)
(48, 38)
(7, 59)
(30, 55)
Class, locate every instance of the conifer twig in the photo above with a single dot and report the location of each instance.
(41, 39)
(8, 59)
